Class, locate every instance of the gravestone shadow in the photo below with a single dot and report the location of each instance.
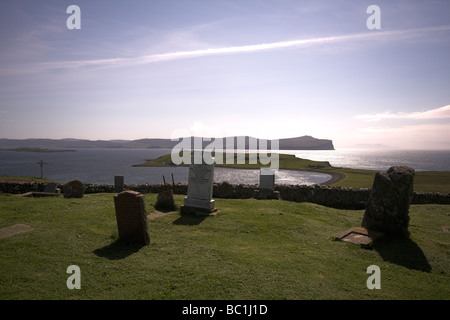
(189, 220)
(403, 252)
(118, 250)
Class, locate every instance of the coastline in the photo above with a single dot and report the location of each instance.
(335, 177)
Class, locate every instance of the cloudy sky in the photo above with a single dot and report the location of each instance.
(265, 68)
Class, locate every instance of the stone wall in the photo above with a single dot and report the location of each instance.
(335, 197)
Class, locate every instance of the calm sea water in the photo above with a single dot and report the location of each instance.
(100, 165)
(419, 160)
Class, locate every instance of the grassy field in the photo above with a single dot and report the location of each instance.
(252, 249)
(432, 181)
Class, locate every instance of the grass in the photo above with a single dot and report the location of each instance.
(252, 249)
(427, 181)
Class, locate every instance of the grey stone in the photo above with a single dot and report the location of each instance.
(74, 189)
(118, 183)
(387, 209)
(50, 187)
(266, 179)
(165, 201)
(266, 185)
(360, 236)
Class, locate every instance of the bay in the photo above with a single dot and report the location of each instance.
(100, 165)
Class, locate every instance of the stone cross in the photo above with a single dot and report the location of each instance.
(41, 163)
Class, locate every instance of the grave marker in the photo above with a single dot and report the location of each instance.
(165, 200)
(118, 183)
(200, 190)
(267, 185)
(131, 217)
(74, 189)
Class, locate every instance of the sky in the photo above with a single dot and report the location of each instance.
(270, 69)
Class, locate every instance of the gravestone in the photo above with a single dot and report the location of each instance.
(50, 187)
(387, 209)
(200, 190)
(49, 190)
(74, 189)
(118, 183)
(267, 185)
(165, 200)
(131, 217)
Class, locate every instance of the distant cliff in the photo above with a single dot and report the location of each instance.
(306, 143)
(299, 143)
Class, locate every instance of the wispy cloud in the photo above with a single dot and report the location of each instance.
(427, 136)
(152, 58)
(439, 113)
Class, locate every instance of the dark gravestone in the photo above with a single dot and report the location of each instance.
(49, 190)
(74, 189)
(387, 209)
(118, 183)
(165, 201)
(131, 217)
(50, 187)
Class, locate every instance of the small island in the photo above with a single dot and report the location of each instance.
(286, 162)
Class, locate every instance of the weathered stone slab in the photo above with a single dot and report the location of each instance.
(74, 189)
(359, 236)
(49, 190)
(165, 200)
(50, 187)
(267, 185)
(131, 217)
(118, 183)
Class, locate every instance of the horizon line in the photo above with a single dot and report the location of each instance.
(185, 137)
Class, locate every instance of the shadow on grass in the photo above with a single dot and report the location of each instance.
(403, 252)
(189, 220)
(117, 250)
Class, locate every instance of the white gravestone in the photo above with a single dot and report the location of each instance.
(267, 185)
(266, 179)
(200, 190)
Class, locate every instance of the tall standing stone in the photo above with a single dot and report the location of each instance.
(200, 190)
(131, 217)
(387, 209)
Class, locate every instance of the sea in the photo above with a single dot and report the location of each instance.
(100, 165)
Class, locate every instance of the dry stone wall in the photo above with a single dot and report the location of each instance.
(335, 197)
